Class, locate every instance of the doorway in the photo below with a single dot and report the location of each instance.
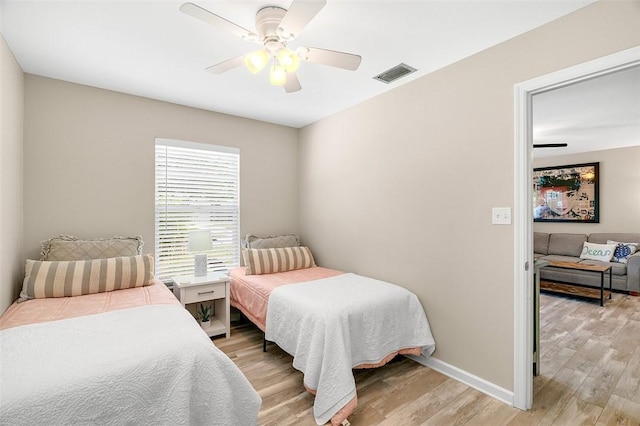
(523, 209)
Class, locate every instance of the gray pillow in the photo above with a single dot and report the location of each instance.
(67, 247)
(566, 244)
(540, 243)
(254, 242)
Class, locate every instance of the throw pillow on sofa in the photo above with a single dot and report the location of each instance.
(623, 251)
(601, 252)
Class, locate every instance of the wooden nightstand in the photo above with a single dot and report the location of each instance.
(212, 289)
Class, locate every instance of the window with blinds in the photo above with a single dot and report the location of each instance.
(197, 187)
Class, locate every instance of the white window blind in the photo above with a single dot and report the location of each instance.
(197, 187)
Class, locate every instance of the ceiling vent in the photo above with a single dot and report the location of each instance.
(394, 73)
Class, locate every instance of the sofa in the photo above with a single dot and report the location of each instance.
(565, 247)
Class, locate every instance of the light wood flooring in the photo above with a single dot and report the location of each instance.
(590, 375)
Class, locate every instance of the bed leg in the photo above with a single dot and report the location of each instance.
(264, 344)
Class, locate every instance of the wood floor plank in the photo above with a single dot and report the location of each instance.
(554, 359)
(274, 417)
(603, 379)
(587, 356)
(629, 384)
(620, 412)
(627, 338)
(461, 410)
(300, 404)
(281, 392)
(578, 412)
(551, 399)
(416, 412)
(366, 415)
(494, 413)
(415, 385)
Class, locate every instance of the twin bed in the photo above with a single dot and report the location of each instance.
(328, 320)
(128, 356)
(136, 356)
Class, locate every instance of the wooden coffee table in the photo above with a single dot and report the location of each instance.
(602, 269)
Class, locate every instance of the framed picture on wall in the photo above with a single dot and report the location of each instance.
(566, 193)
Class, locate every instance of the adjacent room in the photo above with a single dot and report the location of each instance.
(587, 353)
(314, 211)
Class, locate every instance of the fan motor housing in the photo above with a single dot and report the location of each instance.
(267, 22)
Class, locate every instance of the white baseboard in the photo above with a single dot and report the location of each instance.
(468, 379)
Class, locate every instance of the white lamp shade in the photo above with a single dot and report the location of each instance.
(199, 241)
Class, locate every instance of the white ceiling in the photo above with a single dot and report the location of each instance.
(600, 113)
(151, 49)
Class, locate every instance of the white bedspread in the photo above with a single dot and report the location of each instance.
(333, 324)
(145, 365)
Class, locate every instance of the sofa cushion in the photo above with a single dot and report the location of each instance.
(603, 237)
(566, 244)
(537, 256)
(540, 243)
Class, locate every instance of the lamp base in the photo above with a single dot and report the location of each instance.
(200, 265)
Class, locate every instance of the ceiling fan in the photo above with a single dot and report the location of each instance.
(275, 28)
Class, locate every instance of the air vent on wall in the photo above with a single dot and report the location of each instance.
(394, 73)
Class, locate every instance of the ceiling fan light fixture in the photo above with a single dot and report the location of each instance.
(256, 61)
(278, 76)
(288, 60)
(274, 28)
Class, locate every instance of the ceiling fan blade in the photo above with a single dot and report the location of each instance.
(292, 84)
(549, 145)
(217, 21)
(300, 13)
(224, 66)
(347, 61)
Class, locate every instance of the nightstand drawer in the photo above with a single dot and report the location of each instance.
(204, 292)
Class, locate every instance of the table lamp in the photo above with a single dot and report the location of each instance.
(200, 241)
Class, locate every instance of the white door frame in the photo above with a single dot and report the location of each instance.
(523, 209)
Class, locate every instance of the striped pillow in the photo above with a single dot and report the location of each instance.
(268, 261)
(74, 278)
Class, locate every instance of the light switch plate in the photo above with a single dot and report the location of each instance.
(501, 215)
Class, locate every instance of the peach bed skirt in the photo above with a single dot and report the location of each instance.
(52, 309)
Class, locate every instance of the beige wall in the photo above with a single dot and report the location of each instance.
(401, 187)
(89, 162)
(619, 191)
(11, 120)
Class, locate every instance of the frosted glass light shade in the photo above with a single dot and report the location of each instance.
(288, 60)
(278, 76)
(255, 61)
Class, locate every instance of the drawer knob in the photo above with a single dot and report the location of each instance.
(206, 292)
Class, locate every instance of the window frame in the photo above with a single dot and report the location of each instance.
(180, 208)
